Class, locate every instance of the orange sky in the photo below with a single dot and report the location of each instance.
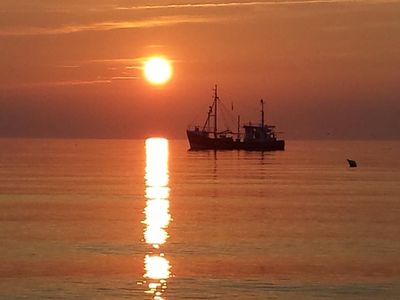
(327, 69)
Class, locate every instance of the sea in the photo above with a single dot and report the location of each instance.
(148, 219)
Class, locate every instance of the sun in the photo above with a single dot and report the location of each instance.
(157, 70)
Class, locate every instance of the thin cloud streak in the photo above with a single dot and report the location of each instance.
(130, 63)
(124, 78)
(115, 60)
(134, 68)
(105, 80)
(241, 4)
(58, 83)
(69, 67)
(107, 26)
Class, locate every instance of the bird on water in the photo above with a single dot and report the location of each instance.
(352, 163)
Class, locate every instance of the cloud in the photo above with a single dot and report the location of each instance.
(115, 60)
(75, 82)
(242, 4)
(124, 78)
(69, 66)
(364, 25)
(128, 63)
(61, 83)
(57, 83)
(160, 21)
(106, 26)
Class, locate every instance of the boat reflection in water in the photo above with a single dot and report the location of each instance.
(157, 217)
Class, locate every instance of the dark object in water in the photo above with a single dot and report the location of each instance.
(256, 137)
(352, 163)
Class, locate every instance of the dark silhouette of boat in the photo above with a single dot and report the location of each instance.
(260, 137)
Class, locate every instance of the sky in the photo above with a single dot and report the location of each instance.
(73, 69)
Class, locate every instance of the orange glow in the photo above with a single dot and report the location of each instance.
(158, 70)
(164, 57)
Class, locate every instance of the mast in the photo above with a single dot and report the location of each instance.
(238, 127)
(207, 123)
(262, 113)
(215, 111)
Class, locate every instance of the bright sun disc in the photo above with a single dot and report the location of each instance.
(157, 70)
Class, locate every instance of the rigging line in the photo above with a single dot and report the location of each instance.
(243, 106)
(250, 107)
(223, 113)
(195, 120)
(238, 103)
(232, 98)
(227, 123)
(231, 118)
(224, 119)
(230, 95)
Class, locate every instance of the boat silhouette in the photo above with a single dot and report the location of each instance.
(260, 137)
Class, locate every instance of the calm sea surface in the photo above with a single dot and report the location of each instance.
(111, 219)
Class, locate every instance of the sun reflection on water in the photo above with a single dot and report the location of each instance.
(156, 217)
(157, 267)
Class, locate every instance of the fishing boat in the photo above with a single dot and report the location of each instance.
(261, 137)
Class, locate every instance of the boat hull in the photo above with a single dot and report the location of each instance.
(200, 141)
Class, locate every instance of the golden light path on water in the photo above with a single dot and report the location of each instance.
(157, 217)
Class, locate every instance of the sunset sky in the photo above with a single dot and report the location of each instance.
(327, 69)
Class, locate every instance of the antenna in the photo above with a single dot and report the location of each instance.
(216, 110)
(262, 113)
(238, 127)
